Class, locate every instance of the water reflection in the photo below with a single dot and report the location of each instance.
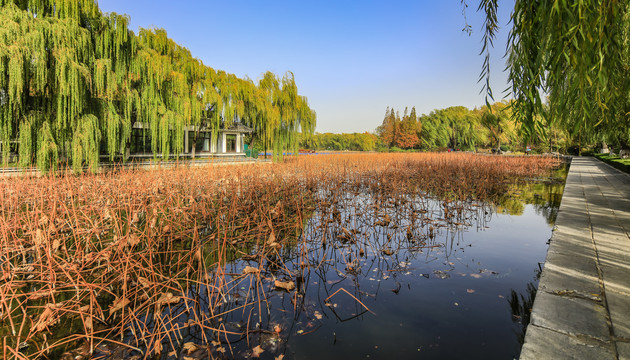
(521, 305)
(545, 194)
(367, 275)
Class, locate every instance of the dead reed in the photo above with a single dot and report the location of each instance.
(128, 262)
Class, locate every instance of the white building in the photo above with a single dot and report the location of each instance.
(197, 142)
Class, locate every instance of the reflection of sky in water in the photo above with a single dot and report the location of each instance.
(459, 311)
(433, 290)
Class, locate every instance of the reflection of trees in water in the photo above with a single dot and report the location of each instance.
(521, 307)
(544, 194)
(347, 238)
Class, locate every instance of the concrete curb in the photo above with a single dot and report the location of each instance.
(582, 308)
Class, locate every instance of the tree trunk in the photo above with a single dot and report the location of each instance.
(194, 146)
(265, 146)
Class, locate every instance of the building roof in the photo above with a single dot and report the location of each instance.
(238, 127)
(235, 127)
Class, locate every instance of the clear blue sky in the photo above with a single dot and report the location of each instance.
(351, 59)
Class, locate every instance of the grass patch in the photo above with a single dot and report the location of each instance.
(615, 161)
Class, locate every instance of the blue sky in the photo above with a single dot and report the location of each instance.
(351, 59)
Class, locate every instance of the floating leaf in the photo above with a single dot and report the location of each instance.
(250, 270)
(118, 304)
(286, 285)
(167, 299)
(190, 347)
(144, 282)
(387, 252)
(257, 351)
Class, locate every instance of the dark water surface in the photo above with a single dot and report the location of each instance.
(431, 285)
(408, 278)
(450, 302)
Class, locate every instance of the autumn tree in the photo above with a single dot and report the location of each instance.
(407, 136)
(387, 130)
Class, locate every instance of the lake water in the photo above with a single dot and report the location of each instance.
(391, 279)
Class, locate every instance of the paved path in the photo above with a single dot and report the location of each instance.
(582, 309)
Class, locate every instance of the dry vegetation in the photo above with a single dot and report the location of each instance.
(135, 259)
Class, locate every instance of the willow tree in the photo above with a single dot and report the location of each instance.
(50, 66)
(577, 53)
(45, 65)
(436, 129)
(74, 81)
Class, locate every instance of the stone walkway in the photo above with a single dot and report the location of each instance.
(582, 308)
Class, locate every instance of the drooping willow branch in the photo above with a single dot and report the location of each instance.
(577, 54)
(74, 81)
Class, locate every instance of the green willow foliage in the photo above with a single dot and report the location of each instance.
(576, 52)
(329, 141)
(75, 81)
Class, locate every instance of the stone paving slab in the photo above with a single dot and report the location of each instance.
(623, 349)
(561, 277)
(582, 308)
(571, 316)
(560, 346)
(619, 308)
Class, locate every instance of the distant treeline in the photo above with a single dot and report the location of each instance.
(329, 141)
(455, 127)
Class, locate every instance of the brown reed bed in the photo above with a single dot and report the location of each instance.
(121, 264)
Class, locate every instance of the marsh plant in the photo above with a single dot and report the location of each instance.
(190, 261)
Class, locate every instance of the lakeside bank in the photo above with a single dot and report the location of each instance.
(147, 165)
(582, 307)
